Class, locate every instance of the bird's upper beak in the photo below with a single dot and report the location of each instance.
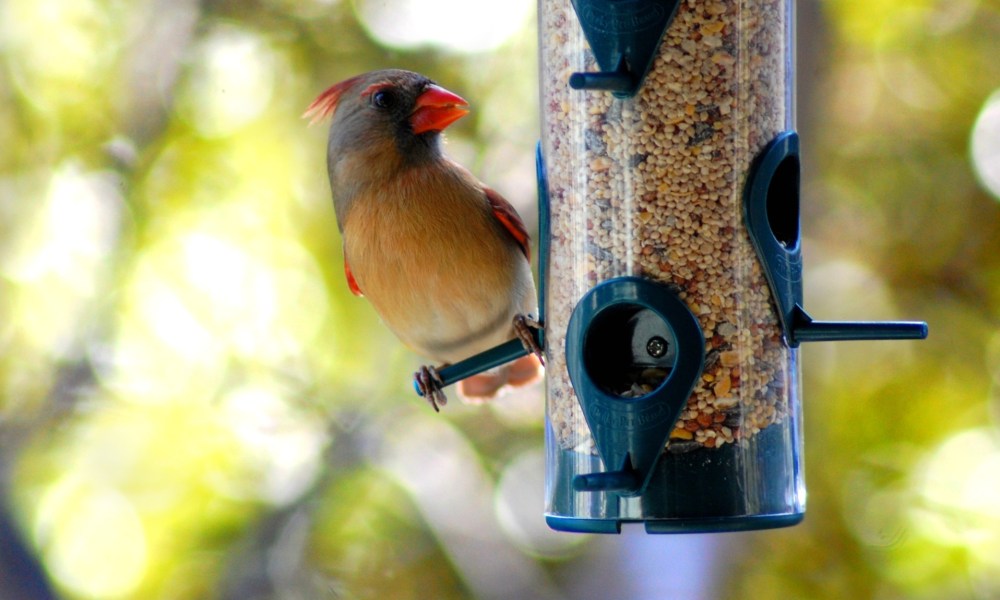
(436, 109)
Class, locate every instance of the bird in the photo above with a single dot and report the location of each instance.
(443, 258)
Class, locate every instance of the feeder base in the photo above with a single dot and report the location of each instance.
(757, 485)
(718, 525)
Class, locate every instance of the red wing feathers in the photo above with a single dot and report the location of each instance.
(509, 218)
(351, 283)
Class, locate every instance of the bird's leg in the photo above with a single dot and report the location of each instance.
(523, 324)
(430, 384)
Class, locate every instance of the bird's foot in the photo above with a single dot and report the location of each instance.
(429, 384)
(523, 326)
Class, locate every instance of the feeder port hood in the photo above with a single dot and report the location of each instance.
(624, 37)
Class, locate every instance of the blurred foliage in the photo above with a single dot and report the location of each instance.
(192, 405)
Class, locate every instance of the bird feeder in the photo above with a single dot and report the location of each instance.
(669, 179)
(670, 264)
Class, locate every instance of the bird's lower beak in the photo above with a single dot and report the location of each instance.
(436, 109)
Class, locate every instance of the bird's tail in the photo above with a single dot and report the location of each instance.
(484, 386)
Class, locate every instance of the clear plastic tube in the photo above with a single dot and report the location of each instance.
(652, 186)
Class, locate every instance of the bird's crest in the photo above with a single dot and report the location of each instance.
(326, 103)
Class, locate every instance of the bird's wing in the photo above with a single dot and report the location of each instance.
(509, 218)
(351, 283)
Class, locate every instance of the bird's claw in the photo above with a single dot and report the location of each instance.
(429, 384)
(523, 326)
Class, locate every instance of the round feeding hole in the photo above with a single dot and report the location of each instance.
(629, 350)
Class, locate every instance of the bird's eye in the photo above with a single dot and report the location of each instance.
(383, 99)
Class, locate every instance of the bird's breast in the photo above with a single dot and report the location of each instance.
(437, 267)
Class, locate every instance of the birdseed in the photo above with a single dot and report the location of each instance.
(652, 186)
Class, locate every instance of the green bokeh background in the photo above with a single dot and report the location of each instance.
(192, 404)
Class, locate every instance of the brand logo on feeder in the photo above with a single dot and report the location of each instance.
(644, 419)
(622, 17)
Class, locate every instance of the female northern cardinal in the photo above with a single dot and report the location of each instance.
(442, 258)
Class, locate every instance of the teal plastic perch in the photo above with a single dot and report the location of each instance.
(805, 329)
(484, 361)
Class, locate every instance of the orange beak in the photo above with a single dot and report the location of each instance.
(436, 109)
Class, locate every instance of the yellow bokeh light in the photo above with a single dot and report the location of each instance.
(217, 285)
(285, 444)
(74, 228)
(57, 260)
(231, 82)
(76, 41)
(472, 26)
(161, 352)
(92, 538)
(960, 489)
(985, 145)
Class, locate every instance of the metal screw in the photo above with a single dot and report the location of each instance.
(656, 347)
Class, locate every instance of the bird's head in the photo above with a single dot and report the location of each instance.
(387, 110)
